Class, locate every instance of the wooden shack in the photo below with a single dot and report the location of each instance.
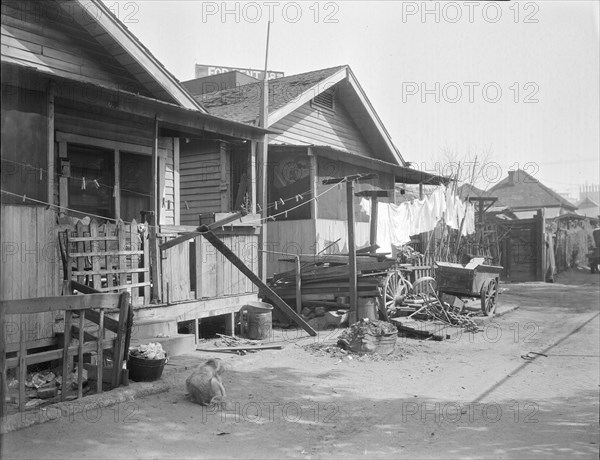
(326, 128)
(96, 143)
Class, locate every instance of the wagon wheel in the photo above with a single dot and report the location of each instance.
(425, 285)
(489, 293)
(395, 287)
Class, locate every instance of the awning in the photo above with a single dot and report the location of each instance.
(402, 174)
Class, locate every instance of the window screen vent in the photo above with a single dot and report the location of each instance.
(325, 100)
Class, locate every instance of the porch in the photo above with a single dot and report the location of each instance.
(185, 283)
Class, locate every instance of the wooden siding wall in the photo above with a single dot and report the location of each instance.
(24, 140)
(289, 236)
(87, 120)
(167, 182)
(310, 126)
(196, 270)
(29, 265)
(200, 178)
(42, 35)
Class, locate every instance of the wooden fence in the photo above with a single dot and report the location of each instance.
(109, 257)
(85, 308)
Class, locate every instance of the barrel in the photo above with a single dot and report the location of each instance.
(256, 320)
(145, 370)
(367, 308)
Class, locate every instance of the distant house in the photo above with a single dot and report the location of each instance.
(326, 128)
(588, 207)
(524, 195)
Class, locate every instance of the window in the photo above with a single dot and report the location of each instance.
(92, 180)
(135, 182)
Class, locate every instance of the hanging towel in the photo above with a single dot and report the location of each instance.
(400, 223)
(384, 240)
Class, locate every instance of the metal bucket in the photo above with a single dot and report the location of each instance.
(367, 308)
(256, 320)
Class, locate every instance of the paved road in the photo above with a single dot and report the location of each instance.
(475, 397)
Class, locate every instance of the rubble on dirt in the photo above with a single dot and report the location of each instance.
(334, 351)
(152, 350)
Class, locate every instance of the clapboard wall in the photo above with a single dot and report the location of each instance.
(312, 126)
(201, 179)
(29, 266)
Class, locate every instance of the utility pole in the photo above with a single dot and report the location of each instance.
(262, 160)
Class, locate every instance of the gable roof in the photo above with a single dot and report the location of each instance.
(520, 190)
(587, 202)
(96, 24)
(287, 94)
(466, 190)
(242, 102)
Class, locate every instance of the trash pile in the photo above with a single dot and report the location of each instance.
(369, 336)
(153, 350)
(42, 388)
(430, 307)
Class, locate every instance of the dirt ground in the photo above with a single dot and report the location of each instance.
(472, 397)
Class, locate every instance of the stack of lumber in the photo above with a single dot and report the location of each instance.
(325, 277)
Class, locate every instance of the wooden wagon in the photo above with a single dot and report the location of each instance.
(474, 280)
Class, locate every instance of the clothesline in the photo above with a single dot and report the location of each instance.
(397, 223)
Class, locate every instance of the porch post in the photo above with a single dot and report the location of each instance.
(50, 139)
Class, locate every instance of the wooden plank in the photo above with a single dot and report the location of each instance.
(3, 349)
(146, 252)
(240, 348)
(80, 353)
(106, 272)
(133, 236)
(161, 205)
(103, 143)
(352, 318)
(71, 302)
(124, 286)
(100, 350)
(279, 303)
(120, 350)
(51, 355)
(199, 265)
(105, 253)
(50, 141)
(117, 185)
(65, 355)
(22, 364)
(90, 238)
(176, 180)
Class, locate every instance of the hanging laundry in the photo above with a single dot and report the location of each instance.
(365, 206)
(384, 228)
(400, 223)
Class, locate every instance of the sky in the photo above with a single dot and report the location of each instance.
(516, 84)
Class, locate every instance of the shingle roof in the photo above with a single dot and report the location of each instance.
(470, 190)
(242, 103)
(527, 192)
